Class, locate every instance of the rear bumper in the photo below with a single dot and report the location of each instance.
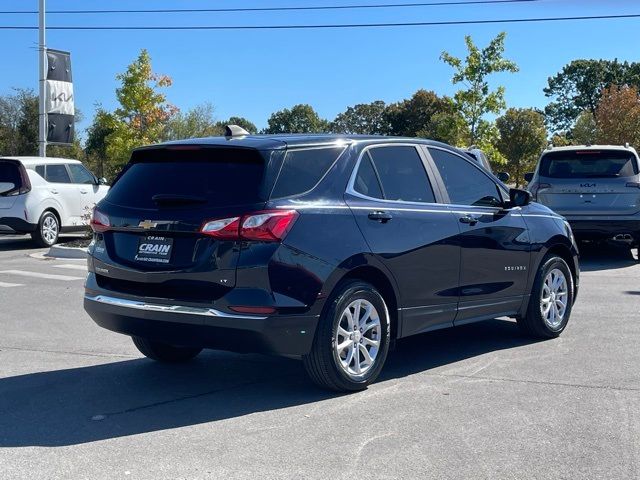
(604, 228)
(18, 224)
(290, 335)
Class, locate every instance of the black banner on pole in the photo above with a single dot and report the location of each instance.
(59, 104)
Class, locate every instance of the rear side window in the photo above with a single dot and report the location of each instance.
(367, 182)
(57, 174)
(40, 170)
(10, 173)
(402, 174)
(208, 176)
(79, 174)
(465, 184)
(303, 169)
(589, 164)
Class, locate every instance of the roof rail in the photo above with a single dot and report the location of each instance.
(235, 131)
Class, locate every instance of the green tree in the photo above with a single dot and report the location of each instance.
(362, 119)
(477, 99)
(578, 86)
(197, 122)
(143, 114)
(523, 137)
(584, 131)
(299, 119)
(417, 115)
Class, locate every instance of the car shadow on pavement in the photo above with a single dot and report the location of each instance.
(86, 404)
(605, 257)
(14, 242)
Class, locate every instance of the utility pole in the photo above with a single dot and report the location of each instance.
(42, 61)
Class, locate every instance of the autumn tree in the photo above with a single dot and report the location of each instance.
(618, 116)
(476, 99)
(578, 86)
(299, 119)
(523, 136)
(143, 114)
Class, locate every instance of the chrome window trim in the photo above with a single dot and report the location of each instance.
(352, 179)
(156, 307)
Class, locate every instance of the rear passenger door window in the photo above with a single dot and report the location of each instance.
(465, 183)
(398, 172)
(57, 174)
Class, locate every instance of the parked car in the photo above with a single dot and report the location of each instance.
(47, 196)
(319, 247)
(481, 159)
(596, 188)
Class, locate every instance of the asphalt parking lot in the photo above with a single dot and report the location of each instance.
(479, 401)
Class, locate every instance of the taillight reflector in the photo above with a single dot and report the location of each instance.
(266, 226)
(253, 310)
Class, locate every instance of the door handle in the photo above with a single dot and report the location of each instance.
(468, 219)
(83, 192)
(379, 216)
(55, 192)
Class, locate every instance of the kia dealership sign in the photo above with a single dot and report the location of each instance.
(59, 104)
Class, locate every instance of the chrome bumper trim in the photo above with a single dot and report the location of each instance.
(156, 307)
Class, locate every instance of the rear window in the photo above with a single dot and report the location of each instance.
(216, 176)
(588, 164)
(303, 169)
(9, 173)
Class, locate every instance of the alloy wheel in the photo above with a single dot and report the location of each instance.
(554, 298)
(50, 229)
(358, 337)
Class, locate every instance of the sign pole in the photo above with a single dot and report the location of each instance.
(42, 61)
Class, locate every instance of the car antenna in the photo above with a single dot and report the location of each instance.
(235, 131)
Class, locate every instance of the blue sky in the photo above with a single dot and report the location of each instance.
(254, 73)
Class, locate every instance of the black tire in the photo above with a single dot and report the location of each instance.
(42, 236)
(323, 364)
(163, 352)
(534, 323)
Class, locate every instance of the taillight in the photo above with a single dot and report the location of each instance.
(99, 221)
(534, 188)
(265, 226)
(26, 183)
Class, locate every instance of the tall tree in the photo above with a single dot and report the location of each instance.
(299, 119)
(584, 132)
(362, 119)
(618, 116)
(578, 86)
(143, 113)
(477, 99)
(523, 136)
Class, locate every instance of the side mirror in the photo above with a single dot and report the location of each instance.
(528, 176)
(503, 177)
(519, 198)
(6, 187)
(102, 181)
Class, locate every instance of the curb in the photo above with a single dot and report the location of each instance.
(58, 251)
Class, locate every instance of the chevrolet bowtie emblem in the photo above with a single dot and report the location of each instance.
(147, 224)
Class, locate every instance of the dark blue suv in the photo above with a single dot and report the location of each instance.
(319, 247)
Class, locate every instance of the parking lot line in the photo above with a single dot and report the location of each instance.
(72, 267)
(9, 285)
(48, 276)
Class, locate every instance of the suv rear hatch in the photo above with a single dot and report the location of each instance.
(154, 213)
(589, 182)
(12, 171)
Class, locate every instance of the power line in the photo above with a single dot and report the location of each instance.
(325, 26)
(277, 9)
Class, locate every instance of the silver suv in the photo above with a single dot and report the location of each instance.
(596, 187)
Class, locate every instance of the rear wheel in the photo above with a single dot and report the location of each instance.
(48, 230)
(163, 352)
(352, 340)
(551, 299)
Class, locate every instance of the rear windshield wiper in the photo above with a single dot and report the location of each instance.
(172, 199)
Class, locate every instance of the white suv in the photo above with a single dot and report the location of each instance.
(46, 196)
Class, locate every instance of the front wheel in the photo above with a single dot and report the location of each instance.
(551, 299)
(163, 352)
(48, 230)
(352, 339)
